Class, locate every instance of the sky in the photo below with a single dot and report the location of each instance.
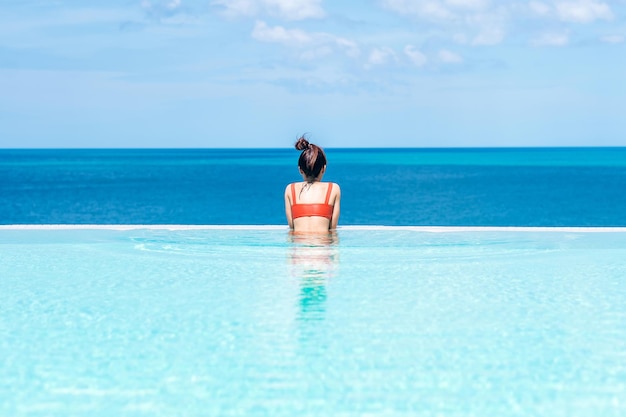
(259, 73)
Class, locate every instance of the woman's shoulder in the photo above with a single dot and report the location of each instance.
(335, 190)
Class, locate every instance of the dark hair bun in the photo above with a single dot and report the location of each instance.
(302, 144)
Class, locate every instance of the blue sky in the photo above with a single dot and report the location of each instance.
(256, 73)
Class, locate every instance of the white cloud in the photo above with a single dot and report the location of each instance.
(296, 9)
(286, 9)
(613, 39)
(436, 9)
(468, 4)
(173, 4)
(583, 11)
(428, 9)
(279, 34)
(539, 8)
(440, 24)
(316, 53)
(467, 21)
(234, 8)
(381, 56)
(490, 27)
(312, 44)
(449, 57)
(488, 22)
(415, 56)
(351, 48)
(551, 39)
(489, 36)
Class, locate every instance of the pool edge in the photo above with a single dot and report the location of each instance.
(431, 229)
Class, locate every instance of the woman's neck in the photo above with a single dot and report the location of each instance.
(312, 180)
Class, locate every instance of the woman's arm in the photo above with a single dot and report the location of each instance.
(288, 207)
(336, 208)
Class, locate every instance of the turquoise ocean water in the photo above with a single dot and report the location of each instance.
(380, 322)
(462, 187)
(107, 320)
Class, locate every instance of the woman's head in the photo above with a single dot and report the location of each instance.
(312, 159)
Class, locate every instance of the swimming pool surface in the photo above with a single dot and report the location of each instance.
(193, 321)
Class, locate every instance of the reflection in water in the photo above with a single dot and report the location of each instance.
(313, 259)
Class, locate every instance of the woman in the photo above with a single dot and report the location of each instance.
(312, 205)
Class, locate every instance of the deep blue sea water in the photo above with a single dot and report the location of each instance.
(457, 187)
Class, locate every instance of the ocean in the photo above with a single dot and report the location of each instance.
(204, 318)
(392, 187)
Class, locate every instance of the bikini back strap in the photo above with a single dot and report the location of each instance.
(293, 193)
(330, 188)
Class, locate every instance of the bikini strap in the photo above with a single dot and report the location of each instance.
(293, 193)
(330, 188)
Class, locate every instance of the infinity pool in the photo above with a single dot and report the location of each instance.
(252, 321)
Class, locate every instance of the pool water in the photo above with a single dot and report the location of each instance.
(257, 322)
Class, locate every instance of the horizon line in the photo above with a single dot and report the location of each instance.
(324, 147)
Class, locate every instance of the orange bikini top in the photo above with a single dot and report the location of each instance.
(305, 210)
